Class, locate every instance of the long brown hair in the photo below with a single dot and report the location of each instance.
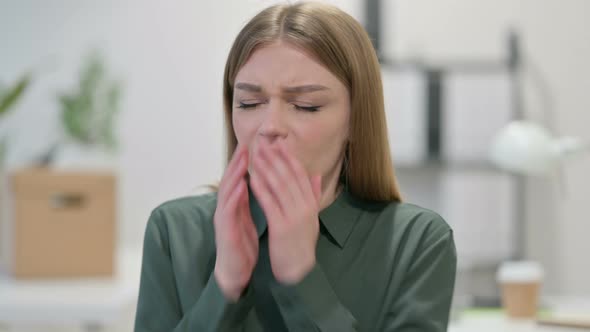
(342, 45)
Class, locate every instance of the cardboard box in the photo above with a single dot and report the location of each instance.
(62, 224)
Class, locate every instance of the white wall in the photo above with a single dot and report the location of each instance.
(170, 56)
(557, 41)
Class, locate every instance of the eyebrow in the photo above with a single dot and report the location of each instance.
(291, 90)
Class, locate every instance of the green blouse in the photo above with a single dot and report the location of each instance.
(380, 267)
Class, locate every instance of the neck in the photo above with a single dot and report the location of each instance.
(330, 188)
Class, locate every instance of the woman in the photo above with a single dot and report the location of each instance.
(307, 231)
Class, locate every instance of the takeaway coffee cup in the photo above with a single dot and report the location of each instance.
(520, 283)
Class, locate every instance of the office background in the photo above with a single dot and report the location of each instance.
(170, 57)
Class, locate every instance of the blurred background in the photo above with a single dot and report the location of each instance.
(109, 108)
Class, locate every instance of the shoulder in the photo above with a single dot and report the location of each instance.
(184, 215)
(188, 206)
(407, 215)
(179, 240)
(416, 237)
(410, 224)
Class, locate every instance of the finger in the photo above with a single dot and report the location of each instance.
(301, 176)
(242, 216)
(251, 239)
(263, 171)
(251, 232)
(316, 184)
(246, 218)
(237, 155)
(233, 176)
(264, 196)
(250, 246)
(238, 152)
(234, 198)
(281, 179)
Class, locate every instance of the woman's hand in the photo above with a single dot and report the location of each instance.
(235, 234)
(290, 200)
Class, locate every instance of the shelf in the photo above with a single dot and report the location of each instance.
(481, 166)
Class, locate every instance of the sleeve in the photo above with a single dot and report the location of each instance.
(159, 308)
(423, 302)
(312, 305)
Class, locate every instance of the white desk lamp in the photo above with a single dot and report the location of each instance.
(529, 149)
(526, 148)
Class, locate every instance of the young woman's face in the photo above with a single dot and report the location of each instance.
(281, 93)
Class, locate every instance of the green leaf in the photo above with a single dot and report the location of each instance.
(9, 98)
(88, 114)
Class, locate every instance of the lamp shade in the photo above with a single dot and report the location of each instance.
(529, 149)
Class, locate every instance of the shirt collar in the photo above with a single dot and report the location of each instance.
(338, 218)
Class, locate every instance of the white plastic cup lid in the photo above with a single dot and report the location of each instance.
(520, 272)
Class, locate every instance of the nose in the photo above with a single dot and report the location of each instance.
(273, 124)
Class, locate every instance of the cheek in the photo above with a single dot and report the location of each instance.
(244, 128)
(320, 148)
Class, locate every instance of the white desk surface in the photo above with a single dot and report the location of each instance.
(496, 321)
(98, 301)
(501, 324)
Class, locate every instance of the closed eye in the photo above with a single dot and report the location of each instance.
(297, 107)
(248, 105)
(307, 108)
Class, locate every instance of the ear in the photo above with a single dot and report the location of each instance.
(316, 186)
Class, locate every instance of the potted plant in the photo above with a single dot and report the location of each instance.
(88, 118)
(72, 173)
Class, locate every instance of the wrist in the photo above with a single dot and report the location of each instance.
(297, 273)
(230, 292)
